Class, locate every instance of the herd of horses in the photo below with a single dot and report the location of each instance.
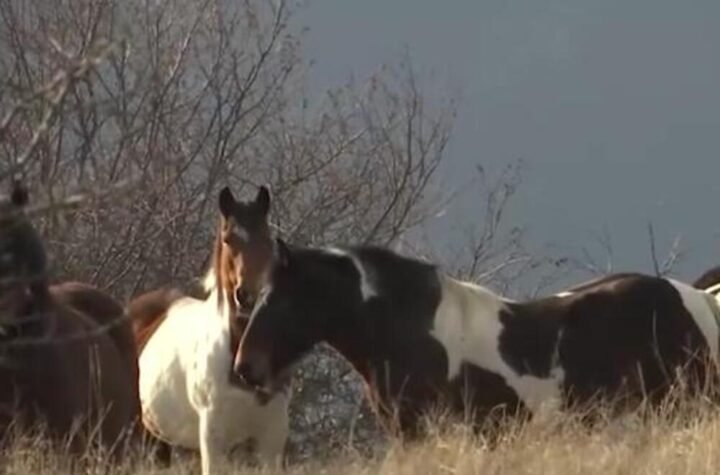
(211, 370)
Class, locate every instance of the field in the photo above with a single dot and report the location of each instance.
(676, 442)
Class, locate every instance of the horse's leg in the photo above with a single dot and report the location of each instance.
(212, 449)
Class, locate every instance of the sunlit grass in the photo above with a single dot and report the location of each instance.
(677, 440)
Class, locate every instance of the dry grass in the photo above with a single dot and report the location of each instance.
(684, 441)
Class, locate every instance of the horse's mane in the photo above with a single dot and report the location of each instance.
(216, 278)
(212, 277)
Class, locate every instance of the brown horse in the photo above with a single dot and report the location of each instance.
(189, 395)
(107, 311)
(66, 359)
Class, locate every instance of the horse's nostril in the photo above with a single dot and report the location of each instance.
(245, 373)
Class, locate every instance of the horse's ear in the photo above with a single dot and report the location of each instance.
(226, 202)
(282, 253)
(19, 195)
(262, 200)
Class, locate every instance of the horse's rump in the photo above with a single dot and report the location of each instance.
(73, 373)
(106, 312)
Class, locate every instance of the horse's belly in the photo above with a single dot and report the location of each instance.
(168, 415)
(166, 409)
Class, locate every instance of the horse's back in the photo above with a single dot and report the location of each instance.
(106, 312)
(639, 294)
(710, 278)
(148, 311)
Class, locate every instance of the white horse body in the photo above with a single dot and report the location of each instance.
(185, 391)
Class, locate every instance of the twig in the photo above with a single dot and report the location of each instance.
(54, 93)
(653, 253)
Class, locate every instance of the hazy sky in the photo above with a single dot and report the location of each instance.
(614, 105)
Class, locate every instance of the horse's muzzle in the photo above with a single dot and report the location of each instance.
(248, 375)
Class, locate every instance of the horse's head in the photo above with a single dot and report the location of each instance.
(22, 255)
(288, 319)
(243, 248)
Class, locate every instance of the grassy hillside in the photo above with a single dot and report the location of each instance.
(685, 441)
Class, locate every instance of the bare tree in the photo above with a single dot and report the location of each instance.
(164, 101)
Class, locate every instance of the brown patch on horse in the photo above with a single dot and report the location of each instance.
(148, 311)
(710, 278)
(107, 312)
(65, 373)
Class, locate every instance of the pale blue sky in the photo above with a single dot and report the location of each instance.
(614, 105)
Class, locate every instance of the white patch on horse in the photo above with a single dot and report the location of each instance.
(209, 281)
(713, 289)
(467, 323)
(185, 391)
(564, 294)
(366, 287)
(695, 302)
(336, 251)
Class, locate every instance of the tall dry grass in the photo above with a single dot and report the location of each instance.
(670, 440)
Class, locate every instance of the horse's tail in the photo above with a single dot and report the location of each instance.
(709, 281)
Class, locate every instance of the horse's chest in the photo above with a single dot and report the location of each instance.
(166, 407)
(179, 380)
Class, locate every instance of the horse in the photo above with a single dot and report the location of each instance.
(709, 281)
(108, 312)
(66, 354)
(420, 338)
(189, 394)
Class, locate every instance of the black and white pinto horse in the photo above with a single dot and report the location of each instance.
(419, 337)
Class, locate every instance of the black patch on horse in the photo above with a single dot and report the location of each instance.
(633, 335)
(528, 341)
